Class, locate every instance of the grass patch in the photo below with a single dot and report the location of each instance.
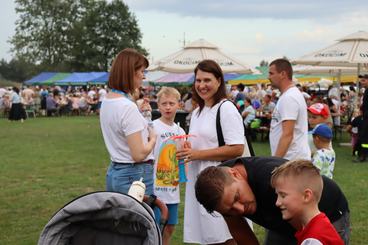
(46, 162)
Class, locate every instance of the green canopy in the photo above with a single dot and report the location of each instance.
(56, 77)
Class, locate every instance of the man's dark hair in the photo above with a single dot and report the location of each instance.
(241, 87)
(283, 65)
(16, 89)
(209, 187)
(247, 99)
(55, 92)
(268, 96)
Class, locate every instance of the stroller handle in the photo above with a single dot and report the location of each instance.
(153, 201)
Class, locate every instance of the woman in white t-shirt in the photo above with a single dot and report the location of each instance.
(249, 113)
(209, 92)
(127, 136)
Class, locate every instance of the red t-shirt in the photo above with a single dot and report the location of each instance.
(318, 231)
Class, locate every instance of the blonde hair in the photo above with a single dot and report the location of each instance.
(307, 174)
(168, 91)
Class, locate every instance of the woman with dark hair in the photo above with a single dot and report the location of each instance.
(334, 106)
(203, 150)
(127, 136)
(351, 102)
(17, 111)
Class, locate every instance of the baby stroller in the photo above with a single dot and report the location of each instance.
(101, 218)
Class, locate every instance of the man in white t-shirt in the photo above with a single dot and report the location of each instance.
(289, 124)
(2, 92)
(92, 92)
(101, 96)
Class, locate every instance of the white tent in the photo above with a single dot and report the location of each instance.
(185, 60)
(335, 73)
(349, 51)
(323, 70)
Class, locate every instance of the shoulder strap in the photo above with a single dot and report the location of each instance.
(220, 135)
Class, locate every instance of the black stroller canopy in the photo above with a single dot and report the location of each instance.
(102, 218)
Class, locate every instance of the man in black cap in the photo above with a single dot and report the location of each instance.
(363, 134)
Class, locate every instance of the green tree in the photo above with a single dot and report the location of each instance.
(73, 35)
(16, 70)
(263, 63)
(42, 31)
(104, 30)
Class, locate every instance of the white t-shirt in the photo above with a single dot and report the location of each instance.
(188, 105)
(101, 94)
(120, 117)
(2, 92)
(200, 226)
(91, 94)
(306, 95)
(234, 93)
(324, 160)
(251, 115)
(261, 93)
(291, 106)
(336, 119)
(166, 171)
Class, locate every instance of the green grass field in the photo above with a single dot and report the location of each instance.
(46, 162)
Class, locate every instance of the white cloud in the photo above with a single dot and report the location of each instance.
(282, 9)
(7, 19)
(260, 37)
(312, 34)
(249, 30)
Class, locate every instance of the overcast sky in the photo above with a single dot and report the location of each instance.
(248, 30)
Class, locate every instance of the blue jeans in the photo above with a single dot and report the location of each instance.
(120, 177)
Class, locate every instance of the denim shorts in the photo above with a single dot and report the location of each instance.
(120, 177)
(173, 214)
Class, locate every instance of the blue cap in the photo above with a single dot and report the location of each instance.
(322, 130)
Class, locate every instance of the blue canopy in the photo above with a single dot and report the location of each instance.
(103, 79)
(98, 74)
(230, 76)
(79, 78)
(43, 76)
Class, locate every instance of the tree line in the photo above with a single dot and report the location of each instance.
(69, 35)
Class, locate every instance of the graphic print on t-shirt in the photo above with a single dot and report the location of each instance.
(167, 174)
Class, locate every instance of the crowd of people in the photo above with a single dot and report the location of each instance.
(258, 188)
(50, 101)
(222, 177)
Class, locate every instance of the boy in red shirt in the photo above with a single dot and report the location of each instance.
(298, 186)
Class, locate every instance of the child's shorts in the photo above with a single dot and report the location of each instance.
(173, 214)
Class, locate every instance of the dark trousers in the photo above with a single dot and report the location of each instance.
(51, 112)
(362, 142)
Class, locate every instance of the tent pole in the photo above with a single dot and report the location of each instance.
(339, 84)
(358, 73)
(357, 86)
